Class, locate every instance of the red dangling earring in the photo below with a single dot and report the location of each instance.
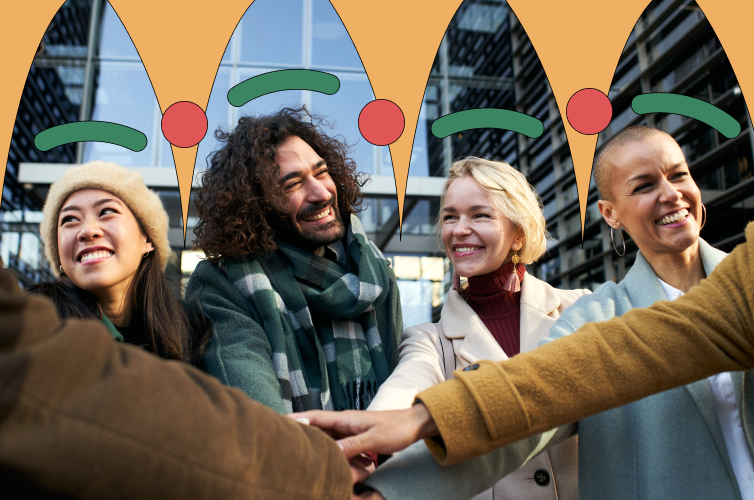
(513, 284)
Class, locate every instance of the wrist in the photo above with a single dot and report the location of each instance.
(426, 426)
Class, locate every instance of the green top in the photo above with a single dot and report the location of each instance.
(111, 328)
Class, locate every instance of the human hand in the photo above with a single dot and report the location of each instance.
(361, 468)
(361, 465)
(368, 495)
(384, 432)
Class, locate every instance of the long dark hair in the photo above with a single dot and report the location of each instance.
(173, 330)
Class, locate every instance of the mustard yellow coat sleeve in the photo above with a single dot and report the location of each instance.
(603, 365)
(85, 416)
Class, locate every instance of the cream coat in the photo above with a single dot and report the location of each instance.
(421, 366)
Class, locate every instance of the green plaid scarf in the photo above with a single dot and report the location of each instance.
(334, 332)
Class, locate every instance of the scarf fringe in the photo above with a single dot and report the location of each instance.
(359, 393)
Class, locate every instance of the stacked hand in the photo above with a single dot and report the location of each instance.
(360, 432)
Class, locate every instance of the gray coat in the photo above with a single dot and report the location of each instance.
(669, 445)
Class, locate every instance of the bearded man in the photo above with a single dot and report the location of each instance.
(305, 309)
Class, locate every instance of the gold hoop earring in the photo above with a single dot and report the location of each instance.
(622, 238)
(61, 268)
(146, 254)
(704, 217)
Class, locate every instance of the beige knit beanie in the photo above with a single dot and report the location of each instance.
(126, 185)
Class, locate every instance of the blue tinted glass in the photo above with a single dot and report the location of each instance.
(228, 54)
(419, 166)
(267, 103)
(124, 95)
(271, 32)
(331, 45)
(114, 39)
(386, 162)
(342, 110)
(218, 111)
(416, 301)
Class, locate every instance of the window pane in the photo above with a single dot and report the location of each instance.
(271, 32)
(331, 44)
(114, 39)
(342, 110)
(218, 111)
(125, 96)
(268, 103)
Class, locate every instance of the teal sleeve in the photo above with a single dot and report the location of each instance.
(238, 352)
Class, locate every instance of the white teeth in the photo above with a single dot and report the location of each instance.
(465, 249)
(101, 254)
(318, 216)
(670, 219)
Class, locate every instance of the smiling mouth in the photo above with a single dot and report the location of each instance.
(316, 217)
(99, 254)
(466, 249)
(673, 218)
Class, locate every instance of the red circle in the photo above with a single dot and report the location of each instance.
(184, 124)
(381, 122)
(589, 111)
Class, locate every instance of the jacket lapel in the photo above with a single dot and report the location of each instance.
(743, 387)
(702, 394)
(472, 340)
(641, 284)
(700, 390)
(538, 301)
(644, 289)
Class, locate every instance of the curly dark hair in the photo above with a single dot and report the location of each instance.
(234, 216)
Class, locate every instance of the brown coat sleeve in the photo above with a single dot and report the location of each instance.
(85, 416)
(603, 365)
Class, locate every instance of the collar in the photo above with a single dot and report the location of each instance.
(644, 288)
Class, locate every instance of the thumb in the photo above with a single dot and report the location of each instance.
(353, 445)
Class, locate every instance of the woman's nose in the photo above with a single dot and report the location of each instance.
(90, 229)
(669, 192)
(461, 227)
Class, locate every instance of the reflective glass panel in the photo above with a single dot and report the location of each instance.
(271, 32)
(114, 39)
(331, 44)
(342, 111)
(267, 103)
(124, 95)
(219, 115)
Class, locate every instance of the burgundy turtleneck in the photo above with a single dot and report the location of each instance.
(500, 311)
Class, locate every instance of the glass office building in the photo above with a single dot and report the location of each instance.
(671, 49)
(88, 69)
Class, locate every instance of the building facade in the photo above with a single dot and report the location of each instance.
(88, 69)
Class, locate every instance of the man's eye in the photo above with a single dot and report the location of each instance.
(324, 171)
(641, 188)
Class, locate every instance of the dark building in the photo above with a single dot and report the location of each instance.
(88, 69)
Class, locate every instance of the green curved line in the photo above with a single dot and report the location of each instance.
(114, 133)
(286, 79)
(687, 106)
(487, 118)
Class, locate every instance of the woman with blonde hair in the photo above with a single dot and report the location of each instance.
(106, 238)
(491, 226)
